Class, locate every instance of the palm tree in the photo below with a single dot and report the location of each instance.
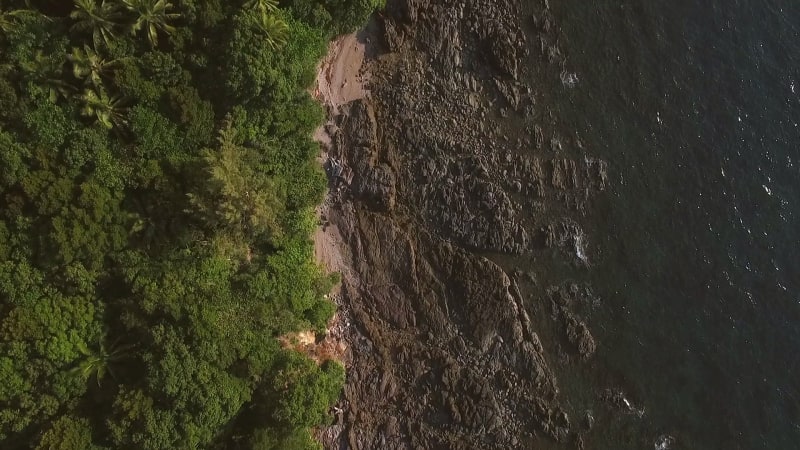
(108, 110)
(99, 19)
(7, 19)
(274, 29)
(262, 5)
(97, 362)
(152, 16)
(269, 22)
(46, 71)
(89, 66)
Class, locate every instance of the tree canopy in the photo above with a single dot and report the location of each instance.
(157, 186)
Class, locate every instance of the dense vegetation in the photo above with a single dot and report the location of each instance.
(156, 199)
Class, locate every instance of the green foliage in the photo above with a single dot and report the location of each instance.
(9, 19)
(335, 16)
(134, 84)
(194, 113)
(162, 68)
(100, 20)
(5, 242)
(8, 99)
(68, 433)
(41, 336)
(157, 137)
(89, 66)
(90, 229)
(234, 197)
(203, 13)
(157, 191)
(32, 35)
(350, 15)
(272, 439)
(306, 390)
(203, 397)
(83, 145)
(108, 110)
(96, 362)
(151, 17)
(47, 122)
(12, 160)
(253, 69)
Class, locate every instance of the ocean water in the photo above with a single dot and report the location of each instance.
(695, 104)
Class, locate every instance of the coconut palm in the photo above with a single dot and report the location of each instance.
(99, 19)
(8, 19)
(97, 362)
(46, 71)
(274, 29)
(269, 22)
(109, 110)
(89, 66)
(151, 16)
(269, 6)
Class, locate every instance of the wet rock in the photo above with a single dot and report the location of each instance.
(588, 420)
(664, 442)
(580, 336)
(617, 398)
(566, 300)
(444, 353)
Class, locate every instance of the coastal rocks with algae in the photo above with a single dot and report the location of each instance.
(444, 181)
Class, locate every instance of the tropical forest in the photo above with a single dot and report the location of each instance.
(157, 192)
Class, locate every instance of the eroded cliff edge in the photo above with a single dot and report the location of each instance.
(446, 182)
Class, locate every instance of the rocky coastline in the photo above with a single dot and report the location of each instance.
(450, 185)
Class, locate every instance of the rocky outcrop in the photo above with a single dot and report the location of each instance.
(447, 165)
(566, 301)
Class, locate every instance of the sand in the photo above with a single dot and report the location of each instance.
(339, 81)
(339, 77)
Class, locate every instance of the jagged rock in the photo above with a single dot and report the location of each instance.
(392, 34)
(580, 336)
(376, 188)
(444, 353)
(566, 300)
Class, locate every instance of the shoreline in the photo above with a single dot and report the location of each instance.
(457, 192)
(435, 219)
(339, 81)
(411, 296)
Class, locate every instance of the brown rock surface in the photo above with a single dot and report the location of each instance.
(442, 167)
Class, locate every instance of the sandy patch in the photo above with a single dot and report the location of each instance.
(339, 81)
(339, 78)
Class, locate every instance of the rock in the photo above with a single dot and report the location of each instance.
(443, 351)
(376, 188)
(588, 420)
(565, 300)
(579, 336)
(392, 35)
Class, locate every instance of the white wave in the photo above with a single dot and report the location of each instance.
(569, 79)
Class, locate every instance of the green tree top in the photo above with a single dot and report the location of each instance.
(100, 20)
(152, 17)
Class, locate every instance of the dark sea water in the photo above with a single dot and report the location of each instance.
(696, 107)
